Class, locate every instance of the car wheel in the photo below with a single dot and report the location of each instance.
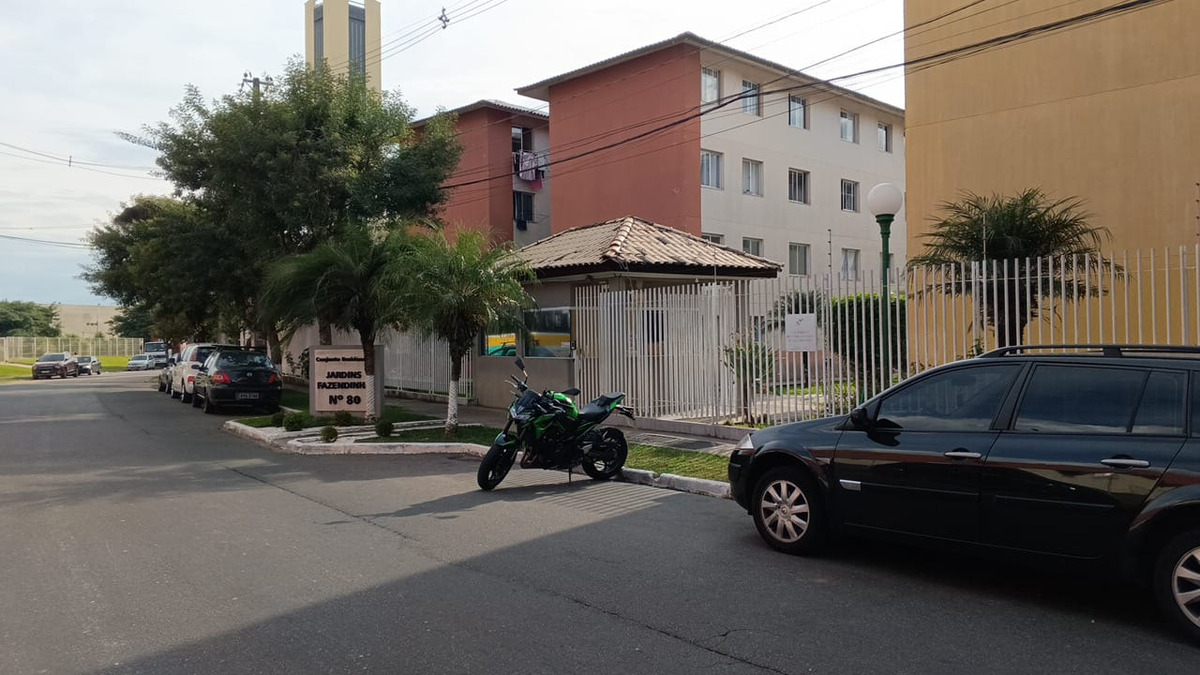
(1177, 582)
(171, 389)
(185, 397)
(789, 512)
(209, 407)
(162, 386)
(196, 399)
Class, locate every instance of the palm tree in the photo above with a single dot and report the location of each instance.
(1029, 228)
(464, 286)
(359, 281)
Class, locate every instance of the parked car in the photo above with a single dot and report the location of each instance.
(88, 365)
(140, 362)
(237, 377)
(1081, 454)
(61, 364)
(164, 373)
(183, 376)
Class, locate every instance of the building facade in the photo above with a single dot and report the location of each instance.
(503, 174)
(1104, 111)
(345, 36)
(725, 145)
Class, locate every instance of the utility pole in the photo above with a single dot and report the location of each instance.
(255, 83)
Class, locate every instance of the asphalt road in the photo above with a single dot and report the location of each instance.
(135, 536)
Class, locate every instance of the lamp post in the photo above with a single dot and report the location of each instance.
(884, 201)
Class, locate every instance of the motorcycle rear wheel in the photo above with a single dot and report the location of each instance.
(495, 466)
(607, 455)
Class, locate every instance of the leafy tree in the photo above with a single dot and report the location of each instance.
(462, 287)
(288, 169)
(28, 319)
(133, 321)
(1027, 226)
(361, 281)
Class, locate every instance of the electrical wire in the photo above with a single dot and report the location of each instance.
(65, 163)
(60, 244)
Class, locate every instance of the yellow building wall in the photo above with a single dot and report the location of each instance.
(1107, 112)
(336, 33)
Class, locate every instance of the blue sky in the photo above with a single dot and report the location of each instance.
(87, 70)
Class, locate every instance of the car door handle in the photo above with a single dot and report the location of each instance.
(962, 454)
(1122, 463)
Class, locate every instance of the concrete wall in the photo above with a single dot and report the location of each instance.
(819, 150)
(1105, 112)
(657, 178)
(87, 320)
(336, 35)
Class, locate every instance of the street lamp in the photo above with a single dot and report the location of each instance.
(884, 201)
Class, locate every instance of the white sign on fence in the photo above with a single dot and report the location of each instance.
(800, 332)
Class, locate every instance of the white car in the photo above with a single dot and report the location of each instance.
(140, 362)
(183, 374)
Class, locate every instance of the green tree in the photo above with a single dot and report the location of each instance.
(462, 287)
(133, 321)
(28, 319)
(360, 280)
(1026, 227)
(285, 170)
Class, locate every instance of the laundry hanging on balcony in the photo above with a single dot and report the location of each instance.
(528, 166)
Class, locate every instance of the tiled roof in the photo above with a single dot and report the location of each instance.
(490, 103)
(541, 90)
(632, 244)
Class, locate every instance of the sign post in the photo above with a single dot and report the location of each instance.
(800, 332)
(339, 381)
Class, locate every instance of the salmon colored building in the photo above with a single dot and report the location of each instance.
(504, 187)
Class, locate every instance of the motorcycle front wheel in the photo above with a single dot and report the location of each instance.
(495, 465)
(607, 454)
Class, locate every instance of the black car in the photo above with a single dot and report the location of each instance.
(237, 377)
(1088, 455)
(61, 364)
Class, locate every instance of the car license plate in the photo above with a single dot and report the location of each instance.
(247, 395)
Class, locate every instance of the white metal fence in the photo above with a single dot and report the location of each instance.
(421, 363)
(15, 348)
(722, 352)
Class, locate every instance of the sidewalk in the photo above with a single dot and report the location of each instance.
(495, 417)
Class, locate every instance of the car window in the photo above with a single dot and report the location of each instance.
(1075, 399)
(1162, 407)
(201, 354)
(52, 357)
(964, 399)
(243, 360)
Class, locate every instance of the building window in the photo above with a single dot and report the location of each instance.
(358, 41)
(797, 112)
(714, 238)
(752, 177)
(798, 186)
(522, 209)
(711, 169)
(549, 333)
(751, 97)
(849, 195)
(850, 263)
(522, 139)
(710, 85)
(752, 246)
(849, 127)
(885, 137)
(798, 259)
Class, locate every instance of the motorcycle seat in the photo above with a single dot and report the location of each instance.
(599, 407)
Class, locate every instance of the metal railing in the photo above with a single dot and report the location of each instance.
(25, 348)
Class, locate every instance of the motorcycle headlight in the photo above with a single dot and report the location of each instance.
(745, 446)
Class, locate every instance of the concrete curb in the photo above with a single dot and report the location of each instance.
(670, 481)
(307, 442)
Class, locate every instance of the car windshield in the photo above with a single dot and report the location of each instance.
(84, 359)
(243, 360)
(52, 357)
(140, 357)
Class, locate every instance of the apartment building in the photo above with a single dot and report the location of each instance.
(723, 144)
(1104, 111)
(345, 36)
(503, 175)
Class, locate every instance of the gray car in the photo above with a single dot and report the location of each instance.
(88, 365)
(141, 362)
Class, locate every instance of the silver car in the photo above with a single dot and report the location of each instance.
(141, 362)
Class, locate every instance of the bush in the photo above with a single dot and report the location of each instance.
(294, 421)
(277, 419)
(342, 418)
(329, 434)
(384, 428)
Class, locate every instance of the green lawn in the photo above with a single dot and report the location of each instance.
(648, 457)
(294, 399)
(113, 363)
(15, 372)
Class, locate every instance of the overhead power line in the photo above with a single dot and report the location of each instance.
(45, 242)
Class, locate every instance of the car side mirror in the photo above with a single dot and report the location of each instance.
(571, 392)
(860, 418)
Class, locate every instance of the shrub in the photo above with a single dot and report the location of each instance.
(384, 429)
(342, 418)
(329, 434)
(294, 421)
(277, 419)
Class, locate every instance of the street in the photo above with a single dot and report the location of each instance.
(138, 537)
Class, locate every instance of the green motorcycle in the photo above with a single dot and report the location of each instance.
(551, 433)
